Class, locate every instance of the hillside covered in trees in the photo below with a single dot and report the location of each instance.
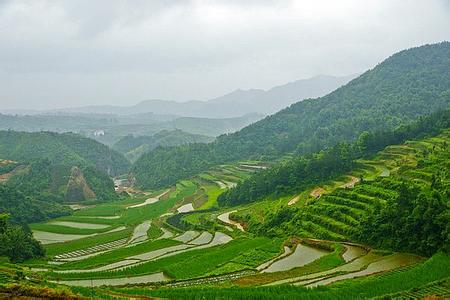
(134, 146)
(65, 148)
(40, 171)
(405, 86)
(16, 242)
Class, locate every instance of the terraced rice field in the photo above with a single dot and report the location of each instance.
(152, 250)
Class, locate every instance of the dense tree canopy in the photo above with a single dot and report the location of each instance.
(23, 209)
(61, 148)
(16, 242)
(415, 221)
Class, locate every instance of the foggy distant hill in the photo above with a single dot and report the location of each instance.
(234, 104)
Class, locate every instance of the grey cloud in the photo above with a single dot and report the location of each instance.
(68, 53)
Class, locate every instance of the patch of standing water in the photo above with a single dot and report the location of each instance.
(79, 225)
(352, 252)
(52, 238)
(386, 264)
(204, 238)
(140, 233)
(157, 253)
(302, 255)
(166, 234)
(219, 239)
(157, 277)
(101, 217)
(353, 266)
(264, 265)
(115, 265)
(186, 208)
(225, 217)
(187, 236)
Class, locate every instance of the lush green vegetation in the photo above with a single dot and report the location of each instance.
(49, 182)
(299, 173)
(134, 146)
(56, 168)
(407, 211)
(61, 149)
(16, 242)
(395, 92)
(417, 218)
(24, 209)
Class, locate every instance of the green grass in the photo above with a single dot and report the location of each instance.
(212, 192)
(154, 232)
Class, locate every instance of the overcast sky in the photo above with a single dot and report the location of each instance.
(69, 53)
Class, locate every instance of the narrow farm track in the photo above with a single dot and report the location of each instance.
(225, 217)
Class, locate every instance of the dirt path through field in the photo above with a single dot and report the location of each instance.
(225, 217)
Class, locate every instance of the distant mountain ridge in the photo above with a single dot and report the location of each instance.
(234, 104)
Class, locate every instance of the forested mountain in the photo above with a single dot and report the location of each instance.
(134, 146)
(40, 170)
(409, 84)
(66, 149)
